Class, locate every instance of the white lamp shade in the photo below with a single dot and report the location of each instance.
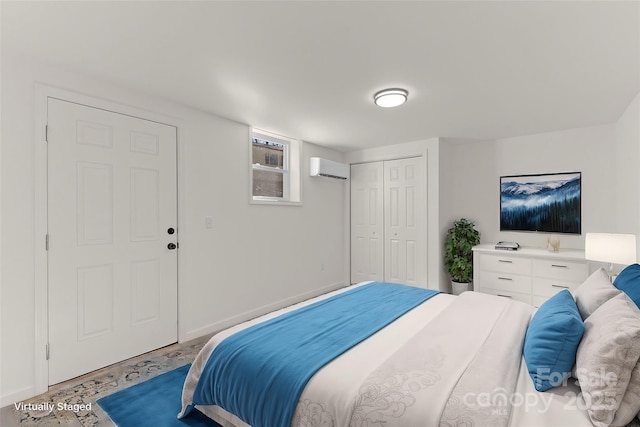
(612, 248)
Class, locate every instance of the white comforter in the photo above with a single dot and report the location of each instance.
(451, 361)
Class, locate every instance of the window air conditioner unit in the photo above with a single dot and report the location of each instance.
(328, 168)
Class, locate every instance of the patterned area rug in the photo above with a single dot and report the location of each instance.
(73, 403)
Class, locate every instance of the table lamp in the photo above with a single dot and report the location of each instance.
(611, 248)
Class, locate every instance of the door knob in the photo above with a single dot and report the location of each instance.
(171, 246)
(171, 230)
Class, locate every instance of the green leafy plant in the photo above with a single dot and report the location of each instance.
(458, 256)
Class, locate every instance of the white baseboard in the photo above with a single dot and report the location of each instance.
(252, 314)
(17, 396)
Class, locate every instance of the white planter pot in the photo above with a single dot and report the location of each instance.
(457, 288)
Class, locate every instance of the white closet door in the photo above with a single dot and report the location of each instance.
(112, 212)
(367, 225)
(404, 218)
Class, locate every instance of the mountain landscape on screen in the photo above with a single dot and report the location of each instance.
(549, 203)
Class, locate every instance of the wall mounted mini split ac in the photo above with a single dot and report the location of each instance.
(328, 168)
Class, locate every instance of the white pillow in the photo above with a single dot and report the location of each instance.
(630, 404)
(594, 292)
(609, 351)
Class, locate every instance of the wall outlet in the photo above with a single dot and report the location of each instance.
(208, 222)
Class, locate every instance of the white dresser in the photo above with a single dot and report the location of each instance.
(529, 275)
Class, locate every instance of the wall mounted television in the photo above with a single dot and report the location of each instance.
(545, 202)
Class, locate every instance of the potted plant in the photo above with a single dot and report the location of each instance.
(458, 256)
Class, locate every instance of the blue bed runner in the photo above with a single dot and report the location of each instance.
(259, 373)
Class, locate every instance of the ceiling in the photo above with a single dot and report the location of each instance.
(308, 70)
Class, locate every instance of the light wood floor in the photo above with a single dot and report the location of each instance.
(95, 385)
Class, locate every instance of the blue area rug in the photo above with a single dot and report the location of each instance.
(155, 402)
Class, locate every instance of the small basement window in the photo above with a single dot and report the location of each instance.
(275, 169)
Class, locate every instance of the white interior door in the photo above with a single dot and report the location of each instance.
(112, 269)
(367, 225)
(404, 218)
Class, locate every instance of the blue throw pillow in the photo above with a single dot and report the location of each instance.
(552, 340)
(628, 281)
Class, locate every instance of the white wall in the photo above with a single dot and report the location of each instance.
(445, 206)
(477, 167)
(627, 206)
(255, 258)
(464, 180)
(430, 150)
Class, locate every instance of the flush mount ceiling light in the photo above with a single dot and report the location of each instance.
(390, 97)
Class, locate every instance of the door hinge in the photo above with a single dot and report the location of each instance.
(47, 351)
(46, 242)
(46, 133)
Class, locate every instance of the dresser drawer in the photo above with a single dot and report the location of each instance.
(526, 298)
(560, 270)
(505, 281)
(539, 300)
(506, 264)
(549, 287)
(530, 275)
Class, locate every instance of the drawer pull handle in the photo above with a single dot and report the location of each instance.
(505, 278)
(560, 286)
(505, 296)
(508, 261)
(559, 266)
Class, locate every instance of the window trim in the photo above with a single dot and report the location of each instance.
(292, 185)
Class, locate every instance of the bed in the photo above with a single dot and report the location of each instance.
(447, 361)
